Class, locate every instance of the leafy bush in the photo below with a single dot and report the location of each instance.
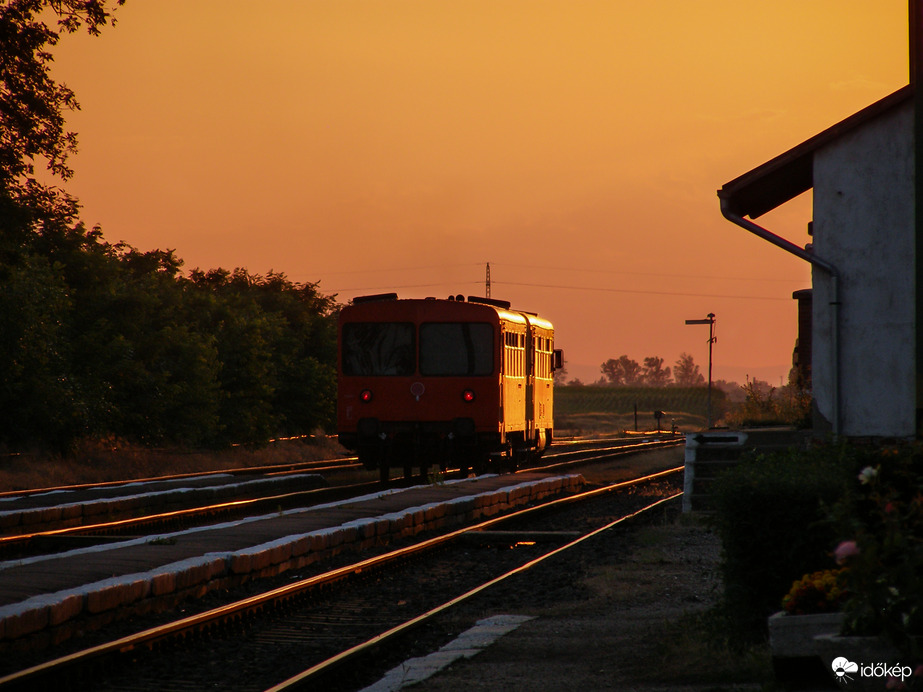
(103, 340)
(770, 515)
(788, 405)
(882, 522)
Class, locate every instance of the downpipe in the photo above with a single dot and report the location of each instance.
(816, 261)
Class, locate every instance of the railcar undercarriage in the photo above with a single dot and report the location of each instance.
(445, 445)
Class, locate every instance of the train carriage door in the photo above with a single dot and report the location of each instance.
(530, 380)
(503, 367)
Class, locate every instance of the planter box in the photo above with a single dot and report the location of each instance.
(792, 636)
(794, 654)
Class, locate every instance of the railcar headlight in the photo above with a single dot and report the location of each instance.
(468, 395)
(365, 396)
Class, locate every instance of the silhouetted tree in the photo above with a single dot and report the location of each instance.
(40, 395)
(686, 372)
(99, 339)
(32, 104)
(560, 375)
(654, 374)
(277, 348)
(622, 372)
(37, 396)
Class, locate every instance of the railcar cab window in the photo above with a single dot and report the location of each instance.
(378, 348)
(456, 348)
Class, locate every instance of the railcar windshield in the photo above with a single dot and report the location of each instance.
(378, 348)
(456, 348)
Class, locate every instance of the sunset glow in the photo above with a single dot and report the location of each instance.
(392, 145)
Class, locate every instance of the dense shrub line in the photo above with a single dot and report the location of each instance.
(101, 340)
(838, 526)
(773, 515)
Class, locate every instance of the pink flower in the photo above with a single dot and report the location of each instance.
(844, 551)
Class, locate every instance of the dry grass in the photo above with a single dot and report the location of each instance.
(112, 460)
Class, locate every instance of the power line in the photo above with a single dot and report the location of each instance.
(626, 290)
(402, 269)
(584, 270)
(391, 287)
(561, 287)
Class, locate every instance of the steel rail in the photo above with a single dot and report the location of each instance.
(304, 678)
(588, 455)
(195, 623)
(336, 463)
(273, 469)
(121, 525)
(591, 445)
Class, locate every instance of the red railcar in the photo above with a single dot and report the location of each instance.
(448, 382)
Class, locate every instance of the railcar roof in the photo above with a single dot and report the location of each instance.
(502, 308)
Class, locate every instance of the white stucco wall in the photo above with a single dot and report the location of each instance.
(863, 225)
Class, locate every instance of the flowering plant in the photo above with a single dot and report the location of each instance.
(884, 519)
(818, 592)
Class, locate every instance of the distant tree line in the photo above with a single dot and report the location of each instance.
(100, 339)
(627, 372)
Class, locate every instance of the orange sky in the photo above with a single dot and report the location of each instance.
(378, 145)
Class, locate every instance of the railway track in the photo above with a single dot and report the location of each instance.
(148, 520)
(308, 630)
(59, 540)
(324, 465)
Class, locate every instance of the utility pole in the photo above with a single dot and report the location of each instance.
(487, 282)
(710, 321)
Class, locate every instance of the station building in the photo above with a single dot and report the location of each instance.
(863, 252)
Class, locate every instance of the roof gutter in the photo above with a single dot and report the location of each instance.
(732, 216)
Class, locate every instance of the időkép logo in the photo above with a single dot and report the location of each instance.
(846, 670)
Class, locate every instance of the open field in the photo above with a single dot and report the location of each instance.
(611, 410)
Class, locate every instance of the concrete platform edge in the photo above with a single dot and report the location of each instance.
(53, 615)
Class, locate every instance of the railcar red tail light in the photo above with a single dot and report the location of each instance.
(468, 395)
(365, 396)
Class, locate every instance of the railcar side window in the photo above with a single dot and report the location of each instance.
(456, 348)
(515, 355)
(543, 349)
(378, 348)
